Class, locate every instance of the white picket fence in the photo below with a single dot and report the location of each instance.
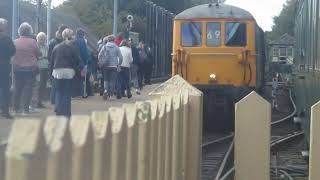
(159, 139)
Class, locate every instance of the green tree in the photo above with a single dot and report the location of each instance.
(285, 21)
(98, 14)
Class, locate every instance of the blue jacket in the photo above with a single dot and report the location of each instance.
(81, 44)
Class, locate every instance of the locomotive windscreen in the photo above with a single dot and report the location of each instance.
(236, 34)
(191, 34)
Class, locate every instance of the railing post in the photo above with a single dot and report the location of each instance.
(176, 137)
(252, 138)
(132, 142)
(161, 140)
(184, 134)
(193, 119)
(25, 158)
(154, 130)
(58, 143)
(143, 118)
(118, 140)
(314, 162)
(101, 156)
(82, 147)
(168, 138)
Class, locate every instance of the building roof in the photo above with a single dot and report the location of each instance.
(285, 39)
(213, 11)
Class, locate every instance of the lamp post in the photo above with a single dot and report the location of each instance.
(14, 18)
(49, 21)
(115, 17)
(39, 3)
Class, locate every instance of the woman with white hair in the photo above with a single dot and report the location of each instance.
(25, 67)
(65, 58)
(43, 65)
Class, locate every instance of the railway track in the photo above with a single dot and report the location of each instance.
(287, 162)
(217, 149)
(286, 145)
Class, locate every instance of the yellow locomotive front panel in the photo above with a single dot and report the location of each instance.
(215, 51)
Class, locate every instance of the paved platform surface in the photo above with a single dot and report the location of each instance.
(79, 107)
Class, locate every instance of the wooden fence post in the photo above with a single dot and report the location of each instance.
(252, 138)
(314, 162)
(101, 149)
(177, 85)
(161, 140)
(176, 137)
(25, 158)
(168, 137)
(154, 128)
(58, 141)
(118, 144)
(132, 141)
(143, 118)
(184, 134)
(82, 150)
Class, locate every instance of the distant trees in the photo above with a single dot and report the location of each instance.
(97, 14)
(284, 22)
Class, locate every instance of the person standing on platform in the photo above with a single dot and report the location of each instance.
(143, 56)
(110, 59)
(52, 44)
(148, 66)
(135, 65)
(65, 58)
(25, 67)
(125, 67)
(78, 86)
(7, 50)
(43, 65)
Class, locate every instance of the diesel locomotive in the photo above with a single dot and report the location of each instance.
(220, 49)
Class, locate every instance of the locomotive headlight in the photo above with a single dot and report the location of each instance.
(213, 76)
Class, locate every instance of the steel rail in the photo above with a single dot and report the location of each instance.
(217, 141)
(224, 162)
(286, 138)
(224, 159)
(289, 116)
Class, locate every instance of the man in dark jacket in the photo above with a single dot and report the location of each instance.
(7, 50)
(148, 66)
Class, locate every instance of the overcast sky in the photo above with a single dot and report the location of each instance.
(262, 10)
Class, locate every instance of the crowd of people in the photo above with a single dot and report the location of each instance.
(29, 65)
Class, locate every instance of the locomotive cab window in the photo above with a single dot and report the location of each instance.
(213, 34)
(191, 33)
(235, 34)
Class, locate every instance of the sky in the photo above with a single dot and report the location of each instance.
(262, 10)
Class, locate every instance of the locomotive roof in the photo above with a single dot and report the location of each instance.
(214, 11)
